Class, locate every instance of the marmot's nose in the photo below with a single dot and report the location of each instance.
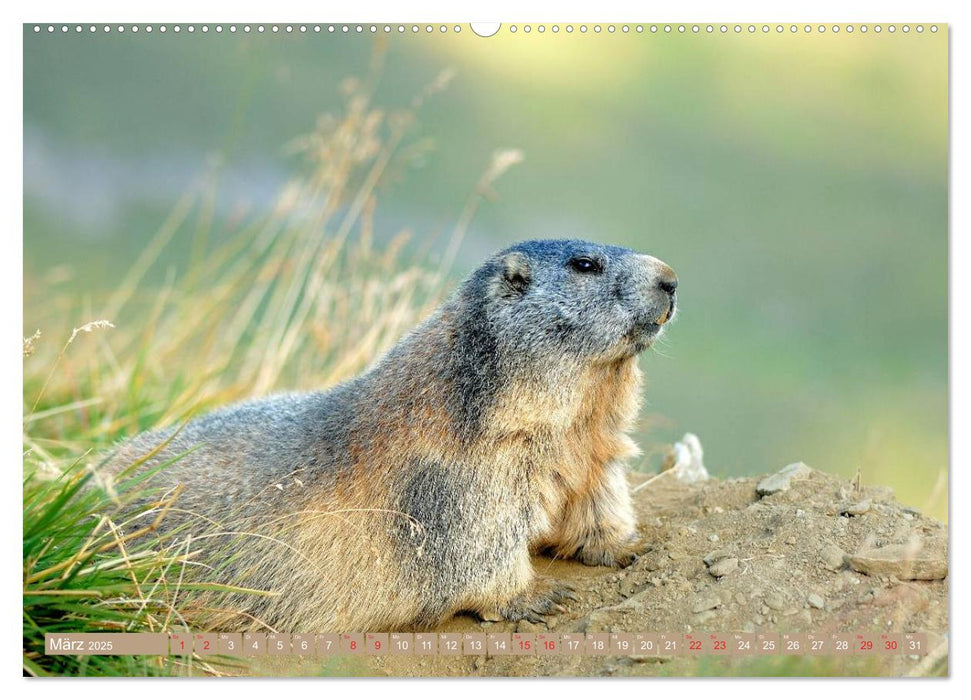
(657, 274)
(668, 284)
(667, 281)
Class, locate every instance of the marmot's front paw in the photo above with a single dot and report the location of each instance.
(545, 598)
(621, 557)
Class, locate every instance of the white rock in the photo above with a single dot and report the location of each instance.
(782, 480)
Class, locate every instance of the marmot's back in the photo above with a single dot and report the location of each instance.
(420, 488)
(229, 456)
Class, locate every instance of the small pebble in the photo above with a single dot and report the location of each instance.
(782, 480)
(718, 555)
(712, 538)
(860, 508)
(832, 557)
(723, 567)
(816, 601)
(706, 604)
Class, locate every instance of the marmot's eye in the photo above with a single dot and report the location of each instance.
(585, 265)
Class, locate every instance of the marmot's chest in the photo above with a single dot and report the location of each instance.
(550, 472)
(555, 448)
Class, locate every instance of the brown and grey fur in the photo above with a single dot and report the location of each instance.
(496, 428)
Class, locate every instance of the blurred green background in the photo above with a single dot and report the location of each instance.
(798, 183)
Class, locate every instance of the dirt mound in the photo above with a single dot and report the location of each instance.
(798, 552)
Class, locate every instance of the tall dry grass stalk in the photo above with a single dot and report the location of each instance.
(299, 297)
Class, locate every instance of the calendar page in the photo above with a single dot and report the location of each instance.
(533, 349)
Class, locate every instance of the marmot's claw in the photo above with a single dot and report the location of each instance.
(489, 616)
(604, 557)
(545, 599)
(562, 592)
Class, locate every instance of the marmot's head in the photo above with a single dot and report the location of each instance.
(572, 300)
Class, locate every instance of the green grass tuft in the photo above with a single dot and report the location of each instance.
(295, 298)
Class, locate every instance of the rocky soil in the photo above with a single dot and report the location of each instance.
(800, 551)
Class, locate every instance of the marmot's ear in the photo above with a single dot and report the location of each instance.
(515, 274)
